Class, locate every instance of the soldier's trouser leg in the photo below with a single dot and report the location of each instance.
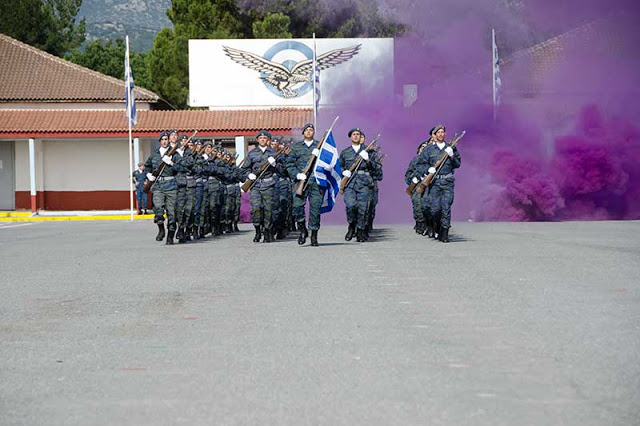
(298, 205)
(158, 205)
(170, 205)
(197, 205)
(416, 204)
(316, 195)
(363, 200)
(214, 205)
(351, 204)
(446, 203)
(189, 206)
(204, 208)
(275, 207)
(181, 199)
(257, 208)
(436, 198)
(267, 195)
(426, 204)
(236, 212)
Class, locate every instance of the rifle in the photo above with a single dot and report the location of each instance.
(356, 164)
(302, 185)
(263, 168)
(149, 184)
(426, 181)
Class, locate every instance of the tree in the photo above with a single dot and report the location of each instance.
(274, 25)
(108, 58)
(49, 25)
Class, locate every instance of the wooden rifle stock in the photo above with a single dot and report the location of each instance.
(426, 181)
(354, 167)
(302, 185)
(263, 168)
(149, 184)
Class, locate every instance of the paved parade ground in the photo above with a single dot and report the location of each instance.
(509, 324)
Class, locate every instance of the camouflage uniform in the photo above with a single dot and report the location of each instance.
(164, 192)
(377, 177)
(215, 171)
(199, 202)
(296, 162)
(185, 198)
(414, 171)
(357, 195)
(441, 191)
(263, 191)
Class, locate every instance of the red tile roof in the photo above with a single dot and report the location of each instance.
(111, 123)
(28, 74)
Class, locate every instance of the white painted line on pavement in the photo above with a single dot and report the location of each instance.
(15, 226)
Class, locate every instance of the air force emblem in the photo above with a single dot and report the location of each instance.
(290, 79)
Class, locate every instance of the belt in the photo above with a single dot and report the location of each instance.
(363, 172)
(200, 180)
(213, 177)
(161, 178)
(190, 177)
(444, 176)
(266, 179)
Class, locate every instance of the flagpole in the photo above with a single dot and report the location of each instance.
(493, 70)
(315, 89)
(130, 168)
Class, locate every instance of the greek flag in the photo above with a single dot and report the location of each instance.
(129, 97)
(327, 173)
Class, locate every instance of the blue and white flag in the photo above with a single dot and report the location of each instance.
(129, 97)
(327, 173)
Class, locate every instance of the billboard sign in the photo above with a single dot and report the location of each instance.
(279, 73)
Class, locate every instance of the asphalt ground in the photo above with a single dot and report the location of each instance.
(509, 324)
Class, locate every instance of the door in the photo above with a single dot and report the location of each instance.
(7, 177)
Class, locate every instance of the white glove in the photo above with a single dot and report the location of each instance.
(415, 180)
(315, 152)
(432, 170)
(301, 176)
(364, 155)
(271, 161)
(151, 177)
(205, 156)
(252, 176)
(180, 151)
(449, 151)
(166, 160)
(346, 173)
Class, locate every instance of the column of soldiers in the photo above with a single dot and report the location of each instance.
(432, 209)
(197, 189)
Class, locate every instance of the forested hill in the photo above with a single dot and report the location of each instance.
(140, 19)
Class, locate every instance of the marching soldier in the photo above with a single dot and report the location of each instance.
(357, 194)
(264, 188)
(296, 163)
(139, 177)
(164, 189)
(186, 189)
(376, 176)
(413, 175)
(441, 191)
(215, 172)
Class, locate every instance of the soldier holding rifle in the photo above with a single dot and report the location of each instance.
(164, 187)
(357, 193)
(441, 191)
(263, 189)
(297, 160)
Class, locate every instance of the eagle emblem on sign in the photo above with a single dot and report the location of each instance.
(285, 78)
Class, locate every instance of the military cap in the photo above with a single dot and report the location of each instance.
(173, 131)
(184, 137)
(162, 135)
(263, 133)
(432, 131)
(206, 144)
(438, 127)
(198, 142)
(362, 133)
(423, 143)
(306, 126)
(355, 129)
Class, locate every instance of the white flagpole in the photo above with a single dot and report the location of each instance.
(130, 168)
(494, 55)
(315, 89)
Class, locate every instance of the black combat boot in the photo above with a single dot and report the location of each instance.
(428, 231)
(436, 229)
(365, 233)
(256, 239)
(170, 235)
(235, 227)
(350, 232)
(200, 232)
(184, 235)
(180, 233)
(360, 236)
(444, 235)
(314, 238)
(419, 227)
(302, 227)
(160, 235)
(440, 230)
(268, 237)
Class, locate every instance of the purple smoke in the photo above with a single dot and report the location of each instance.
(566, 141)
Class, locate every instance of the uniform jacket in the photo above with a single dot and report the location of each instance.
(364, 176)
